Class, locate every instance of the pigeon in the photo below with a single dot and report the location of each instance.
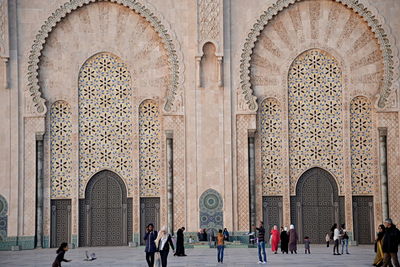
(92, 256)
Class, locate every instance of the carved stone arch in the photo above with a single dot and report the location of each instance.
(315, 108)
(361, 7)
(91, 183)
(211, 210)
(317, 204)
(332, 178)
(105, 139)
(114, 173)
(104, 218)
(141, 7)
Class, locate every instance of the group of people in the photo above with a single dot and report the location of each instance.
(287, 238)
(339, 236)
(387, 245)
(158, 244)
(208, 235)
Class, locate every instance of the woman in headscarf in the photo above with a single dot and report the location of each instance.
(284, 240)
(378, 246)
(293, 237)
(275, 239)
(163, 243)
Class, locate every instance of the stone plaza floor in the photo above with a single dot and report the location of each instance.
(125, 256)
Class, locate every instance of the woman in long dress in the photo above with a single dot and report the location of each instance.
(274, 239)
(180, 247)
(378, 246)
(293, 238)
(284, 241)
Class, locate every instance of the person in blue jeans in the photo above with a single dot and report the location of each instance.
(345, 239)
(220, 246)
(261, 243)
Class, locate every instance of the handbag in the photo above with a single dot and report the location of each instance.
(157, 259)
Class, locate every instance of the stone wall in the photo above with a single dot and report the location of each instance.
(190, 57)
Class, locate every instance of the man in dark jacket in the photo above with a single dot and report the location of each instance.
(261, 243)
(150, 249)
(390, 244)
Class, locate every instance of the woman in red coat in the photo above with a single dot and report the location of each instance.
(275, 236)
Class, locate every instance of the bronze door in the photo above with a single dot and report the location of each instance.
(106, 211)
(149, 213)
(363, 219)
(60, 222)
(272, 212)
(317, 204)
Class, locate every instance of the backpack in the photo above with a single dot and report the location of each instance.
(331, 235)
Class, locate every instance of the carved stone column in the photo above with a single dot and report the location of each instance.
(170, 181)
(383, 171)
(39, 190)
(252, 183)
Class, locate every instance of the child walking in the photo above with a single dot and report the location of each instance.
(307, 243)
(60, 255)
(220, 246)
(327, 239)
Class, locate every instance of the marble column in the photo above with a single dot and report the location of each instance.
(39, 190)
(252, 182)
(383, 172)
(170, 180)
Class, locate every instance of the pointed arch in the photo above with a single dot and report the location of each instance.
(138, 6)
(362, 8)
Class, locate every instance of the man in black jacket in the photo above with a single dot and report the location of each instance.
(390, 244)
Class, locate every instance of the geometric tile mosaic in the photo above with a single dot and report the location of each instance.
(271, 147)
(315, 115)
(3, 218)
(149, 149)
(61, 150)
(361, 146)
(105, 119)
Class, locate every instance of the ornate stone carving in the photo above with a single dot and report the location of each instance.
(3, 218)
(208, 20)
(105, 119)
(362, 179)
(61, 150)
(149, 149)
(4, 45)
(382, 33)
(271, 147)
(145, 10)
(315, 115)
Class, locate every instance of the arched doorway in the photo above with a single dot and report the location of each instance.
(104, 216)
(211, 213)
(317, 204)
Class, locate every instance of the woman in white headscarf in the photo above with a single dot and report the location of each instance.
(293, 238)
(163, 244)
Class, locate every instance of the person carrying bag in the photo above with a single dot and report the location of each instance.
(163, 243)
